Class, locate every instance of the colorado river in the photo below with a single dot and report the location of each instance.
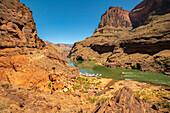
(122, 74)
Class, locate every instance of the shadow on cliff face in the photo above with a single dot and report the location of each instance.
(145, 48)
(103, 48)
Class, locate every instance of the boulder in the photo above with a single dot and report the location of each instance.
(124, 101)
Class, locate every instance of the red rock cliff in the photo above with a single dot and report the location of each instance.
(25, 60)
(115, 17)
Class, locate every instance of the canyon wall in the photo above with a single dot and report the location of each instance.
(142, 43)
(25, 59)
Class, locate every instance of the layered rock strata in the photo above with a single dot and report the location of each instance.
(145, 47)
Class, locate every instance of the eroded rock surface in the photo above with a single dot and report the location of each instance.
(124, 101)
(143, 12)
(17, 27)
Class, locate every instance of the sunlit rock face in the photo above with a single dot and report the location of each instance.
(17, 27)
(115, 17)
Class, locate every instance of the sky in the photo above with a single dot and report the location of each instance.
(69, 21)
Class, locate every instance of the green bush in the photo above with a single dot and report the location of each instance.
(99, 77)
(135, 66)
(92, 100)
(86, 87)
(98, 83)
(102, 100)
(78, 78)
(145, 98)
(49, 85)
(76, 86)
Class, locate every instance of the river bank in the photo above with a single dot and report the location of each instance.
(121, 73)
(153, 88)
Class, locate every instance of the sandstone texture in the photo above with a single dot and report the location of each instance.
(17, 28)
(124, 101)
(146, 46)
(25, 59)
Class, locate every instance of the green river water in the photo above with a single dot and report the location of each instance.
(122, 74)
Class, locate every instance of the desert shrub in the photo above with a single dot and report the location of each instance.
(99, 77)
(102, 100)
(145, 98)
(98, 83)
(78, 78)
(86, 87)
(49, 85)
(76, 86)
(92, 100)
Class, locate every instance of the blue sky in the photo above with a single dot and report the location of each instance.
(68, 21)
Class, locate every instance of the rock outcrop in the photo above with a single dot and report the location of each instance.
(25, 59)
(115, 17)
(124, 101)
(145, 47)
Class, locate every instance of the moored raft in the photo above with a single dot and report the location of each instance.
(91, 75)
